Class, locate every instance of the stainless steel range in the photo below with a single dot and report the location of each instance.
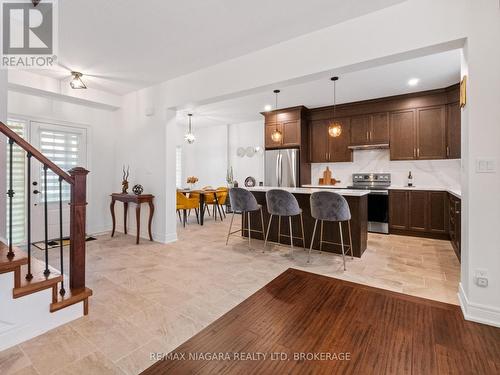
(378, 198)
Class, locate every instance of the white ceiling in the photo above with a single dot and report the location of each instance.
(433, 71)
(125, 45)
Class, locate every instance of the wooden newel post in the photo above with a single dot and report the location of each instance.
(77, 232)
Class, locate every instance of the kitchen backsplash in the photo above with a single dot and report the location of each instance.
(442, 173)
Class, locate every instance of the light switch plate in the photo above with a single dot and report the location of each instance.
(486, 165)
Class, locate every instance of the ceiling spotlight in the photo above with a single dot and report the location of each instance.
(76, 82)
(268, 107)
(413, 81)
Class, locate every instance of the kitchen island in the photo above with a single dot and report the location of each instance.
(358, 204)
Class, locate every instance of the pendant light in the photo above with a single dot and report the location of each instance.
(276, 135)
(335, 127)
(189, 137)
(76, 82)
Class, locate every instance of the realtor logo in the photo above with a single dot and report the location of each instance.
(28, 33)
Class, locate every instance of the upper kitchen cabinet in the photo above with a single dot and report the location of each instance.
(418, 134)
(292, 125)
(453, 131)
(338, 147)
(402, 135)
(371, 129)
(318, 141)
(326, 149)
(431, 133)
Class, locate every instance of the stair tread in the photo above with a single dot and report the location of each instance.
(71, 297)
(39, 280)
(6, 264)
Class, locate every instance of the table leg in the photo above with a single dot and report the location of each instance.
(125, 211)
(112, 209)
(138, 220)
(151, 211)
(202, 208)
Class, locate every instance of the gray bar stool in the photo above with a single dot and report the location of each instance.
(330, 206)
(242, 201)
(282, 203)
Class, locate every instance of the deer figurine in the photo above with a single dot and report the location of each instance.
(125, 180)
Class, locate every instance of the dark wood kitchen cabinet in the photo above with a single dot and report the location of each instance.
(431, 133)
(318, 138)
(289, 122)
(418, 209)
(324, 148)
(455, 223)
(402, 135)
(453, 130)
(418, 134)
(419, 213)
(338, 147)
(398, 209)
(370, 129)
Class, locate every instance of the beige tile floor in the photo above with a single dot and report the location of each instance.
(152, 297)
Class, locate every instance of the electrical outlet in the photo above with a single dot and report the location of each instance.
(481, 278)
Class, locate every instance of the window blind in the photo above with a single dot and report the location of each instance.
(64, 149)
(19, 184)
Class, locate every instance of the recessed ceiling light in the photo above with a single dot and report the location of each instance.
(268, 107)
(413, 81)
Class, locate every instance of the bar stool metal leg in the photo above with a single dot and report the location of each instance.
(249, 231)
(279, 229)
(291, 237)
(230, 226)
(267, 233)
(342, 243)
(350, 238)
(262, 223)
(303, 234)
(321, 238)
(312, 241)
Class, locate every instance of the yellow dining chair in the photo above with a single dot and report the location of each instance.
(221, 194)
(184, 203)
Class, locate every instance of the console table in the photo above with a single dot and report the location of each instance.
(138, 200)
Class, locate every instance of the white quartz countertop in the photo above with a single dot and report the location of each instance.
(308, 190)
(454, 191)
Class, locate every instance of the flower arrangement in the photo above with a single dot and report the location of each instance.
(191, 180)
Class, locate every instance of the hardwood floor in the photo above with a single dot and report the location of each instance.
(381, 332)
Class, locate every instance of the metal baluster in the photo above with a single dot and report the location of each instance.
(62, 291)
(10, 194)
(29, 276)
(47, 271)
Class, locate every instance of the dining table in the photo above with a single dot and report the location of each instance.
(203, 193)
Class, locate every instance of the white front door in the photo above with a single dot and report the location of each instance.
(66, 146)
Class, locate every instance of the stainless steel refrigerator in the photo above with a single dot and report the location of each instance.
(282, 167)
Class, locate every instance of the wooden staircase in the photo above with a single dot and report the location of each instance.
(34, 277)
(23, 287)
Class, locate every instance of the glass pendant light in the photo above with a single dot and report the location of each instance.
(276, 135)
(335, 127)
(189, 137)
(76, 82)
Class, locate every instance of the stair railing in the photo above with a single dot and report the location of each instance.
(77, 180)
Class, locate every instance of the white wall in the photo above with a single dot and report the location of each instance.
(481, 139)
(206, 158)
(439, 173)
(3, 161)
(101, 136)
(141, 143)
(247, 134)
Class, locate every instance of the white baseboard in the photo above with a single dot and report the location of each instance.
(476, 312)
(3, 240)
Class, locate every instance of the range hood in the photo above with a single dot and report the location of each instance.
(369, 147)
